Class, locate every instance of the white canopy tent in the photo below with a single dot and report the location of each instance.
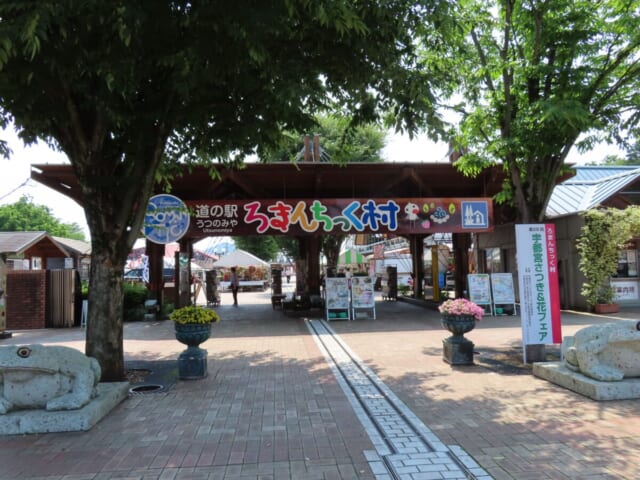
(240, 258)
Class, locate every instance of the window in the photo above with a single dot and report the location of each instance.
(494, 260)
(627, 263)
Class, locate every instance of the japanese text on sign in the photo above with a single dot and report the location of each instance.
(420, 215)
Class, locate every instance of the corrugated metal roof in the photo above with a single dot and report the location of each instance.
(18, 242)
(82, 248)
(590, 187)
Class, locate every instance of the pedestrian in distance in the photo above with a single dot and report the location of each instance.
(234, 284)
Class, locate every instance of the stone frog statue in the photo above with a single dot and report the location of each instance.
(607, 352)
(49, 377)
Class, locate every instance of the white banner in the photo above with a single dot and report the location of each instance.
(538, 282)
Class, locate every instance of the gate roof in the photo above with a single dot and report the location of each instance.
(284, 180)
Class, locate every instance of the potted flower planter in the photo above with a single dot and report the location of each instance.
(193, 327)
(459, 316)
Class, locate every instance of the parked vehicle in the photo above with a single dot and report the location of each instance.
(135, 275)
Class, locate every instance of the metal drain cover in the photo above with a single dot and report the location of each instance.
(144, 389)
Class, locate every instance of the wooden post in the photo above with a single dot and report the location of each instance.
(155, 252)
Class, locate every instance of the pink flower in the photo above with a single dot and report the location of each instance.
(461, 306)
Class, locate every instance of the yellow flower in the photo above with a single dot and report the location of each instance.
(194, 314)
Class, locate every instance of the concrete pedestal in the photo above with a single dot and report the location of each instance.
(192, 364)
(558, 373)
(21, 422)
(457, 352)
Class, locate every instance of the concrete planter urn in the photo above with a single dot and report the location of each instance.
(192, 334)
(458, 350)
(459, 316)
(192, 327)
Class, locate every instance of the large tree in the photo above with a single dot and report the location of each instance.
(26, 216)
(120, 86)
(264, 247)
(341, 141)
(531, 79)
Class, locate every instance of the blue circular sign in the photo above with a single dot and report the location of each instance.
(167, 219)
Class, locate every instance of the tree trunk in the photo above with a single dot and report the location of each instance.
(104, 340)
(331, 248)
(116, 186)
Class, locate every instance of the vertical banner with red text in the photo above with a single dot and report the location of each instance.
(538, 281)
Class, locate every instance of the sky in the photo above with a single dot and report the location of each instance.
(15, 172)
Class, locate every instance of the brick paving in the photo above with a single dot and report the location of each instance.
(405, 447)
(271, 407)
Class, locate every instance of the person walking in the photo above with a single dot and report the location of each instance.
(234, 284)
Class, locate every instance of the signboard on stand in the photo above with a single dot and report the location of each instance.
(362, 296)
(480, 289)
(337, 298)
(502, 292)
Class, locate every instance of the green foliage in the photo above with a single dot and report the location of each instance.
(194, 314)
(528, 81)
(84, 288)
(122, 87)
(604, 233)
(25, 216)
(340, 142)
(264, 247)
(135, 294)
(633, 154)
(167, 308)
(288, 247)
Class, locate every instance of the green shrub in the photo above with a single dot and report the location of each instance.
(135, 294)
(84, 289)
(167, 309)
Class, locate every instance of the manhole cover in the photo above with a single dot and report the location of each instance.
(144, 389)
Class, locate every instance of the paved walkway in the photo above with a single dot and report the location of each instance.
(273, 407)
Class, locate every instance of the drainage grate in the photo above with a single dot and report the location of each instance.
(144, 389)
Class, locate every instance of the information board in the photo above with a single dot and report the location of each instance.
(502, 288)
(362, 296)
(480, 289)
(337, 298)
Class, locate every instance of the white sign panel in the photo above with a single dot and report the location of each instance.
(479, 288)
(502, 288)
(625, 289)
(362, 292)
(538, 282)
(337, 293)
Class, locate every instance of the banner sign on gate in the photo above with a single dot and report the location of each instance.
(538, 282)
(343, 215)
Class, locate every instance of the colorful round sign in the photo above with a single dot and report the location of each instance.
(167, 219)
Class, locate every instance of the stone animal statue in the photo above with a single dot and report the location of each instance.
(49, 377)
(607, 352)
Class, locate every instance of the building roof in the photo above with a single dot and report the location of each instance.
(75, 246)
(16, 243)
(593, 186)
